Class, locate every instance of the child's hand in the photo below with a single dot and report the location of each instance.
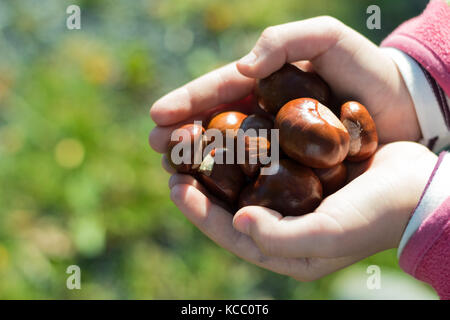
(366, 216)
(352, 65)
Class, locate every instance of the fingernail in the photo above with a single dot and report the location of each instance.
(242, 224)
(249, 59)
(172, 181)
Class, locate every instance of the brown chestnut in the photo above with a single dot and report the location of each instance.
(228, 120)
(332, 178)
(257, 122)
(256, 146)
(311, 134)
(292, 191)
(362, 131)
(225, 181)
(191, 137)
(289, 83)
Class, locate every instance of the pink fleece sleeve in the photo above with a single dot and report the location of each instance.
(426, 39)
(426, 255)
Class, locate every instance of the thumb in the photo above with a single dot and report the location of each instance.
(311, 235)
(290, 42)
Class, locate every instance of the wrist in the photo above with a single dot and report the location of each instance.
(429, 104)
(410, 126)
(420, 174)
(433, 194)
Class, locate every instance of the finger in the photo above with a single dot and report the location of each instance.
(311, 235)
(216, 223)
(166, 166)
(159, 137)
(348, 222)
(223, 85)
(190, 180)
(337, 52)
(186, 179)
(320, 267)
(300, 40)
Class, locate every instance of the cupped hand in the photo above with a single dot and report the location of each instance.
(366, 216)
(354, 67)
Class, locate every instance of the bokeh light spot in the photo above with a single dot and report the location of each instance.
(88, 235)
(69, 153)
(97, 69)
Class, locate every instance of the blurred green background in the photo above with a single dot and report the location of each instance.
(78, 181)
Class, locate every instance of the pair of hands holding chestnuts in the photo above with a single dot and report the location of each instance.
(335, 198)
(313, 140)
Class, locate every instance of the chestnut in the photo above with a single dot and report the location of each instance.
(289, 83)
(255, 145)
(228, 120)
(332, 178)
(311, 134)
(362, 130)
(292, 190)
(225, 181)
(191, 138)
(257, 122)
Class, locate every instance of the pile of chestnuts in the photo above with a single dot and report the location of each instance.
(316, 142)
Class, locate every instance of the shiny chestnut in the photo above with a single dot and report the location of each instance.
(292, 190)
(362, 130)
(311, 134)
(228, 120)
(255, 144)
(225, 181)
(192, 138)
(289, 83)
(333, 178)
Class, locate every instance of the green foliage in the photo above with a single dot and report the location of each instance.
(79, 184)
